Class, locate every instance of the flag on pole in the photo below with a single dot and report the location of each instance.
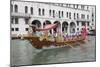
(84, 32)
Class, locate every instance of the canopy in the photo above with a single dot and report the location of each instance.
(47, 27)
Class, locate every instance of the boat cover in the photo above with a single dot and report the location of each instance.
(47, 27)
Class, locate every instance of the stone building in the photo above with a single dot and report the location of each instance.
(71, 17)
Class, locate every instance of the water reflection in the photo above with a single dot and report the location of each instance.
(22, 53)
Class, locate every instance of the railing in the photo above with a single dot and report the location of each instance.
(20, 15)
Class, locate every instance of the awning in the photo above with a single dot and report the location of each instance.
(48, 27)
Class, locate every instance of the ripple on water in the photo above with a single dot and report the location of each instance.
(22, 53)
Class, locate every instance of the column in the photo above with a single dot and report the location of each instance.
(52, 31)
(68, 31)
(42, 25)
(61, 28)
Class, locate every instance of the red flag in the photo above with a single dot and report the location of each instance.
(84, 32)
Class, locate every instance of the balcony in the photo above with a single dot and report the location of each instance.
(23, 15)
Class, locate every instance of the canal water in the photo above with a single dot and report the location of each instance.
(22, 53)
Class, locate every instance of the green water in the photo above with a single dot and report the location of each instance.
(22, 53)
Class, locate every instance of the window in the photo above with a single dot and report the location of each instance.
(61, 4)
(82, 16)
(77, 28)
(92, 24)
(16, 29)
(74, 16)
(12, 20)
(11, 8)
(49, 12)
(53, 13)
(16, 20)
(77, 5)
(39, 11)
(62, 14)
(69, 5)
(12, 29)
(77, 23)
(83, 24)
(73, 5)
(26, 29)
(16, 8)
(26, 21)
(31, 10)
(69, 15)
(88, 23)
(66, 5)
(92, 20)
(26, 9)
(92, 15)
(43, 11)
(77, 16)
(82, 6)
(59, 14)
(87, 7)
(87, 16)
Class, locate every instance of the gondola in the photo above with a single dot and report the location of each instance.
(45, 42)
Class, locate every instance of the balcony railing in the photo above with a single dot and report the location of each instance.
(20, 15)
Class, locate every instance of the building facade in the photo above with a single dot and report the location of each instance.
(71, 18)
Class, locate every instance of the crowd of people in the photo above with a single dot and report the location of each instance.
(60, 36)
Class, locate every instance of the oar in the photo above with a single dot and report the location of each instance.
(69, 45)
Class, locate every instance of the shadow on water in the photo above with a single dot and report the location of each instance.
(46, 56)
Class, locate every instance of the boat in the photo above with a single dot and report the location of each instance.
(46, 43)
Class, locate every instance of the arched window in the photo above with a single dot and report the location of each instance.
(59, 14)
(16, 8)
(26, 9)
(67, 14)
(73, 5)
(77, 23)
(87, 7)
(82, 6)
(39, 11)
(77, 5)
(16, 20)
(87, 16)
(49, 12)
(31, 10)
(43, 12)
(11, 8)
(62, 13)
(53, 13)
(77, 16)
(74, 16)
(12, 19)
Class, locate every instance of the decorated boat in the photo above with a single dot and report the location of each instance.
(45, 41)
